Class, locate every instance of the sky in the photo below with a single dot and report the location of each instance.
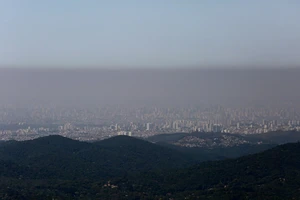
(149, 34)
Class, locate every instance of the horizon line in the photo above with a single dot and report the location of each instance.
(154, 68)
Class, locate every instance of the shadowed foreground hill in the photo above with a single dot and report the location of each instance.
(273, 174)
(59, 157)
(59, 168)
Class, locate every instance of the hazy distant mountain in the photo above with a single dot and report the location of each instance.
(277, 137)
(217, 146)
(221, 140)
(205, 140)
(212, 146)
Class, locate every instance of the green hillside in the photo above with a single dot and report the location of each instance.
(122, 167)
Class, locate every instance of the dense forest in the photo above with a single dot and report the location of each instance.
(123, 167)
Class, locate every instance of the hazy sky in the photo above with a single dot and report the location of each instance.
(149, 87)
(156, 33)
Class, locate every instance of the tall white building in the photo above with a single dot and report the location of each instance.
(148, 126)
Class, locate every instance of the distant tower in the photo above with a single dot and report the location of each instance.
(148, 126)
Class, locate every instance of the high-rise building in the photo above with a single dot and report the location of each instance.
(68, 126)
(217, 128)
(175, 125)
(148, 126)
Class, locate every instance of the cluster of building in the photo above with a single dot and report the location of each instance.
(103, 122)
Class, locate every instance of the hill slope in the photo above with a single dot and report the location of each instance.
(59, 157)
(273, 174)
(59, 168)
(215, 140)
(213, 146)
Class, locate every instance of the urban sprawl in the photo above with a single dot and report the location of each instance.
(90, 124)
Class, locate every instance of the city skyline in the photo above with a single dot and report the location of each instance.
(108, 121)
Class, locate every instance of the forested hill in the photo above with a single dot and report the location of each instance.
(273, 174)
(60, 157)
(122, 167)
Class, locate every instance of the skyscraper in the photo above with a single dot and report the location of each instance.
(148, 126)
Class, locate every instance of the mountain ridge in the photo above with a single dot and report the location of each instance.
(103, 170)
(272, 174)
(57, 156)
